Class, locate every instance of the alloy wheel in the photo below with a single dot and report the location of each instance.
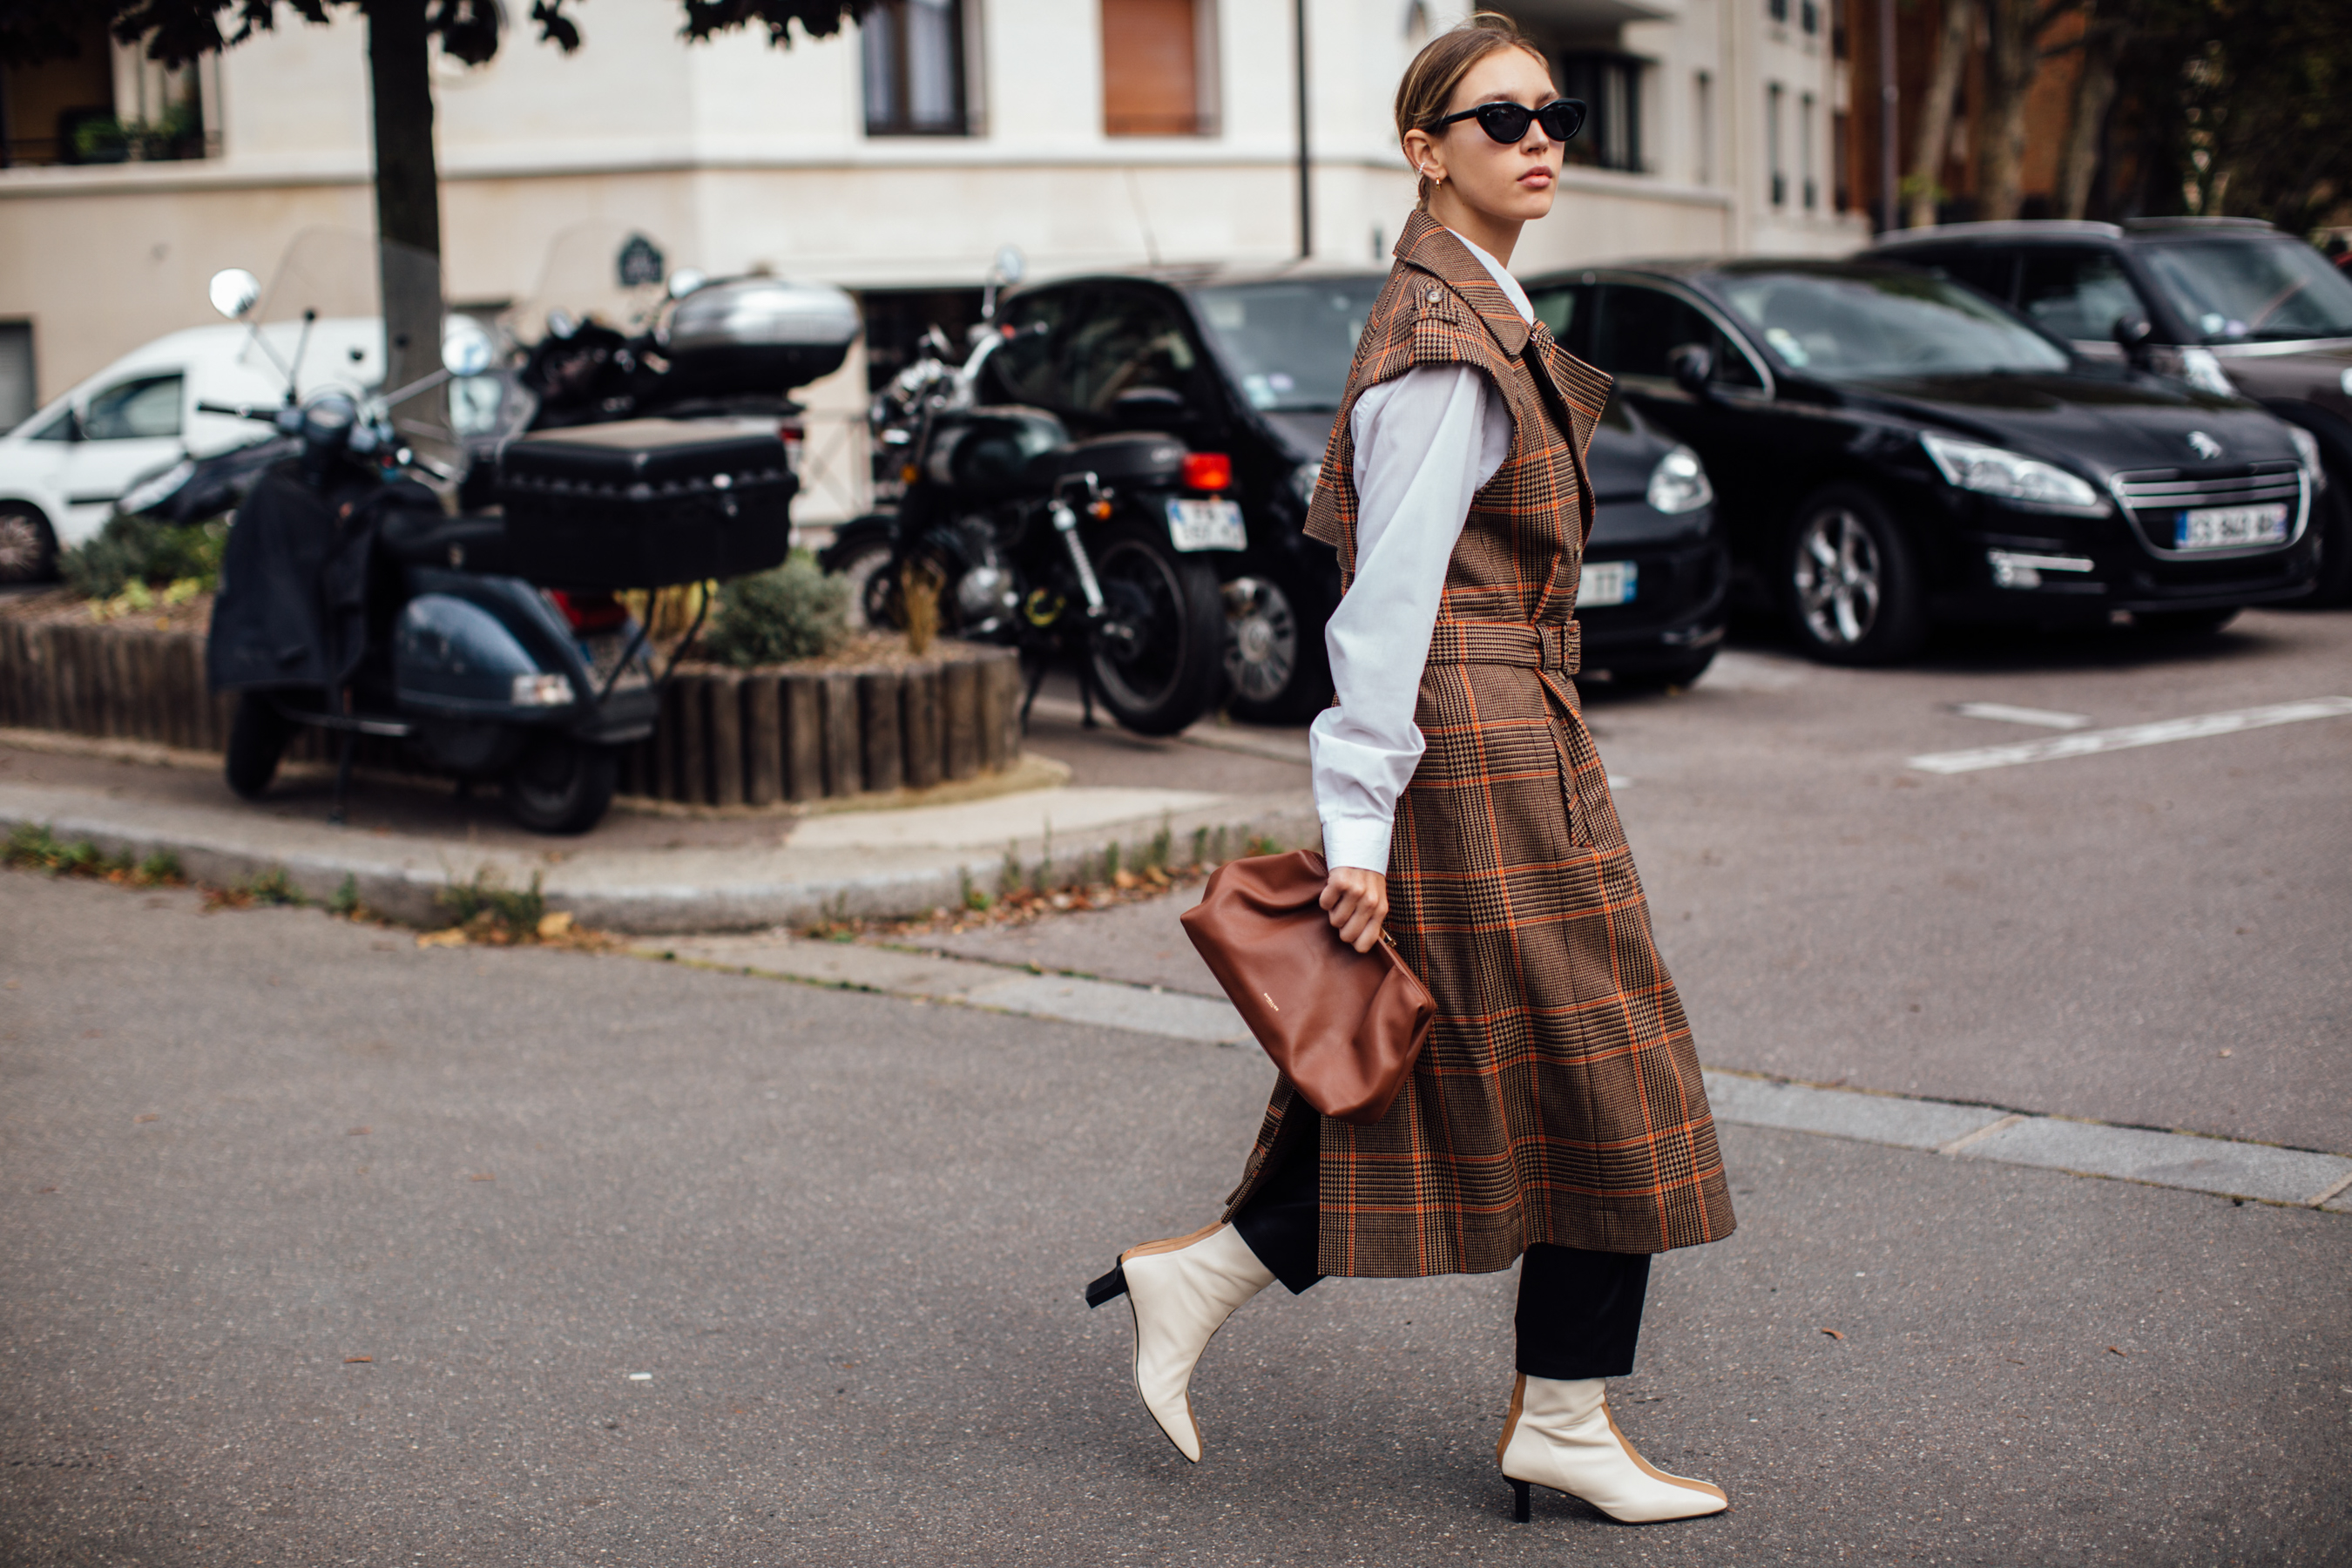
(1839, 576)
(1262, 638)
(24, 547)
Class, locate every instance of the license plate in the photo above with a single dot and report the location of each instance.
(2218, 527)
(603, 655)
(1206, 526)
(1606, 583)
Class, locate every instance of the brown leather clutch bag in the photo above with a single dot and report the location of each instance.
(1344, 1026)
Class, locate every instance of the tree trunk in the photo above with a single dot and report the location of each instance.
(2009, 62)
(1936, 106)
(407, 197)
(2095, 92)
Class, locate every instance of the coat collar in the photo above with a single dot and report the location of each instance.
(1432, 248)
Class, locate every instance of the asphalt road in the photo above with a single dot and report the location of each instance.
(844, 1235)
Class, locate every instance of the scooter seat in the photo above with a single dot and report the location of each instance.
(453, 543)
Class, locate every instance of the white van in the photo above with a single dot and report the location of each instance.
(62, 470)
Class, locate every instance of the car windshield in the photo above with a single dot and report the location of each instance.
(2242, 289)
(1288, 344)
(1871, 323)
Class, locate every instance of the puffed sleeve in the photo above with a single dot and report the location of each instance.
(1424, 443)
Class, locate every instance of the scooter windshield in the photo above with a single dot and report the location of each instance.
(599, 270)
(320, 318)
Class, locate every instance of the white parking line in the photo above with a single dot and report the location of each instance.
(2002, 713)
(2089, 742)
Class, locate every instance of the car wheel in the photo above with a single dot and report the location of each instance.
(258, 737)
(1276, 671)
(2183, 623)
(28, 549)
(1852, 582)
(861, 556)
(1157, 657)
(559, 784)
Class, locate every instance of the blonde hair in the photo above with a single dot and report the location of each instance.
(1429, 82)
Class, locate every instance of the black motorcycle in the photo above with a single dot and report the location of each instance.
(1071, 552)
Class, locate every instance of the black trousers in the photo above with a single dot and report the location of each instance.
(1580, 1313)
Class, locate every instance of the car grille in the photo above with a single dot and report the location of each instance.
(2154, 497)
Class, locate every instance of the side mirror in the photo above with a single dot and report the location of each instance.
(1010, 264)
(2132, 333)
(233, 292)
(686, 280)
(1693, 368)
(465, 346)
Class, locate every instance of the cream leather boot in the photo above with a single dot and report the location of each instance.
(1561, 1435)
(1181, 1291)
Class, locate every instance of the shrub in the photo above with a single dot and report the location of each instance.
(771, 617)
(142, 551)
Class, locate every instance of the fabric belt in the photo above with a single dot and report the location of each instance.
(1515, 642)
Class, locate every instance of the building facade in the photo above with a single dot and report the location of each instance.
(895, 159)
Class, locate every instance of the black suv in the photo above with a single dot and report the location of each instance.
(1253, 364)
(2225, 304)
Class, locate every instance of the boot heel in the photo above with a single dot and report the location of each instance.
(1110, 1287)
(1522, 1505)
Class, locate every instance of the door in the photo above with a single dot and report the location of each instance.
(126, 428)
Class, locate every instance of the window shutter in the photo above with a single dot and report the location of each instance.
(1152, 75)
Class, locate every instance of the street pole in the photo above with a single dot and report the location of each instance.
(1890, 108)
(1306, 194)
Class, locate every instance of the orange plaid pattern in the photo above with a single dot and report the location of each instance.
(1558, 1099)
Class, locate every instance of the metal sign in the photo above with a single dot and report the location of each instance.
(639, 262)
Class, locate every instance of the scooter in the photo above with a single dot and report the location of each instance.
(492, 646)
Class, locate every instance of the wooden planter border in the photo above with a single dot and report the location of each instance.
(725, 737)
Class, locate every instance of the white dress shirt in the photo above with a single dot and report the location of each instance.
(1426, 441)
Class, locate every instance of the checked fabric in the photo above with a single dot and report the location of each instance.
(1558, 1099)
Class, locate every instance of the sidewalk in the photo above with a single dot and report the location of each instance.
(644, 871)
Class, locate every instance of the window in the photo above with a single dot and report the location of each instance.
(1636, 330)
(1289, 346)
(1703, 110)
(1891, 323)
(1125, 340)
(134, 410)
(104, 104)
(1611, 85)
(1809, 18)
(1989, 271)
(2076, 293)
(914, 59)
(1778, 10)
(1773, 94)
(1158, 69)
(16, 382)
(1026, 366)
(1805, 150)
(1841, 165)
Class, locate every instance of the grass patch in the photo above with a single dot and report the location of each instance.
(31, 846)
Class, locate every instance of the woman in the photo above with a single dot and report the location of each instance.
(1556, 1114)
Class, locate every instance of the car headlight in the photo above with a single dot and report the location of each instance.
(1679, 482)
(2012, 475)
(2307, 448)
(150, 493)
(2202, 368)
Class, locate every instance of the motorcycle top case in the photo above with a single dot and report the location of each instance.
(645, 503)
(759, 335)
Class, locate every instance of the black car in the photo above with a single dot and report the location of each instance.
(1252, 366)
(1890, 447)
(2224, 303)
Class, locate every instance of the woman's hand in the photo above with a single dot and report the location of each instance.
(1358, 903)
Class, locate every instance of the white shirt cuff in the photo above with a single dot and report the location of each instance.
(1357, 841)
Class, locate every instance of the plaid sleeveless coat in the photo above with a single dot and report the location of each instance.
(1558, 1099)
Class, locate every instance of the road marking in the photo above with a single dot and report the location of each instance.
(2003, 712)
(2090, 742)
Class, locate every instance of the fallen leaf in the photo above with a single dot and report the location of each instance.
(358, 1132)
(454, 937)
(2225, 1050)
(358, 1360)
(1126, 880)
(555, 923)
(2112, 1350)
(49, 1189)
(481, 1176)
(151, 1116)
(1833, 1333)
(89, 1034)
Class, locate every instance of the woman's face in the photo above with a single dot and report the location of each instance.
(1507, 182)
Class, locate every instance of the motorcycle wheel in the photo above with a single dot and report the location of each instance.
(1277, 669)
(861, 555)
(258, 737)
(559, 784)
(1157, 660)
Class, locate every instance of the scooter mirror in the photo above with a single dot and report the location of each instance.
(235, 291)
(465, 346)
(1010, 264)
(686, 280)
(562, 323)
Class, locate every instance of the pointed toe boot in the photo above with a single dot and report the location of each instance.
(1181, 1291)
(1561, 1435)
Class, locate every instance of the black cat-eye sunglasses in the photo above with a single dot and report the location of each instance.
(1561, 119)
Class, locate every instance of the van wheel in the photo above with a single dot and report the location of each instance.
(861, 555)
(1276, 671)
(257, 738)
(1851, 580)
(559, 784)
(28, 550)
